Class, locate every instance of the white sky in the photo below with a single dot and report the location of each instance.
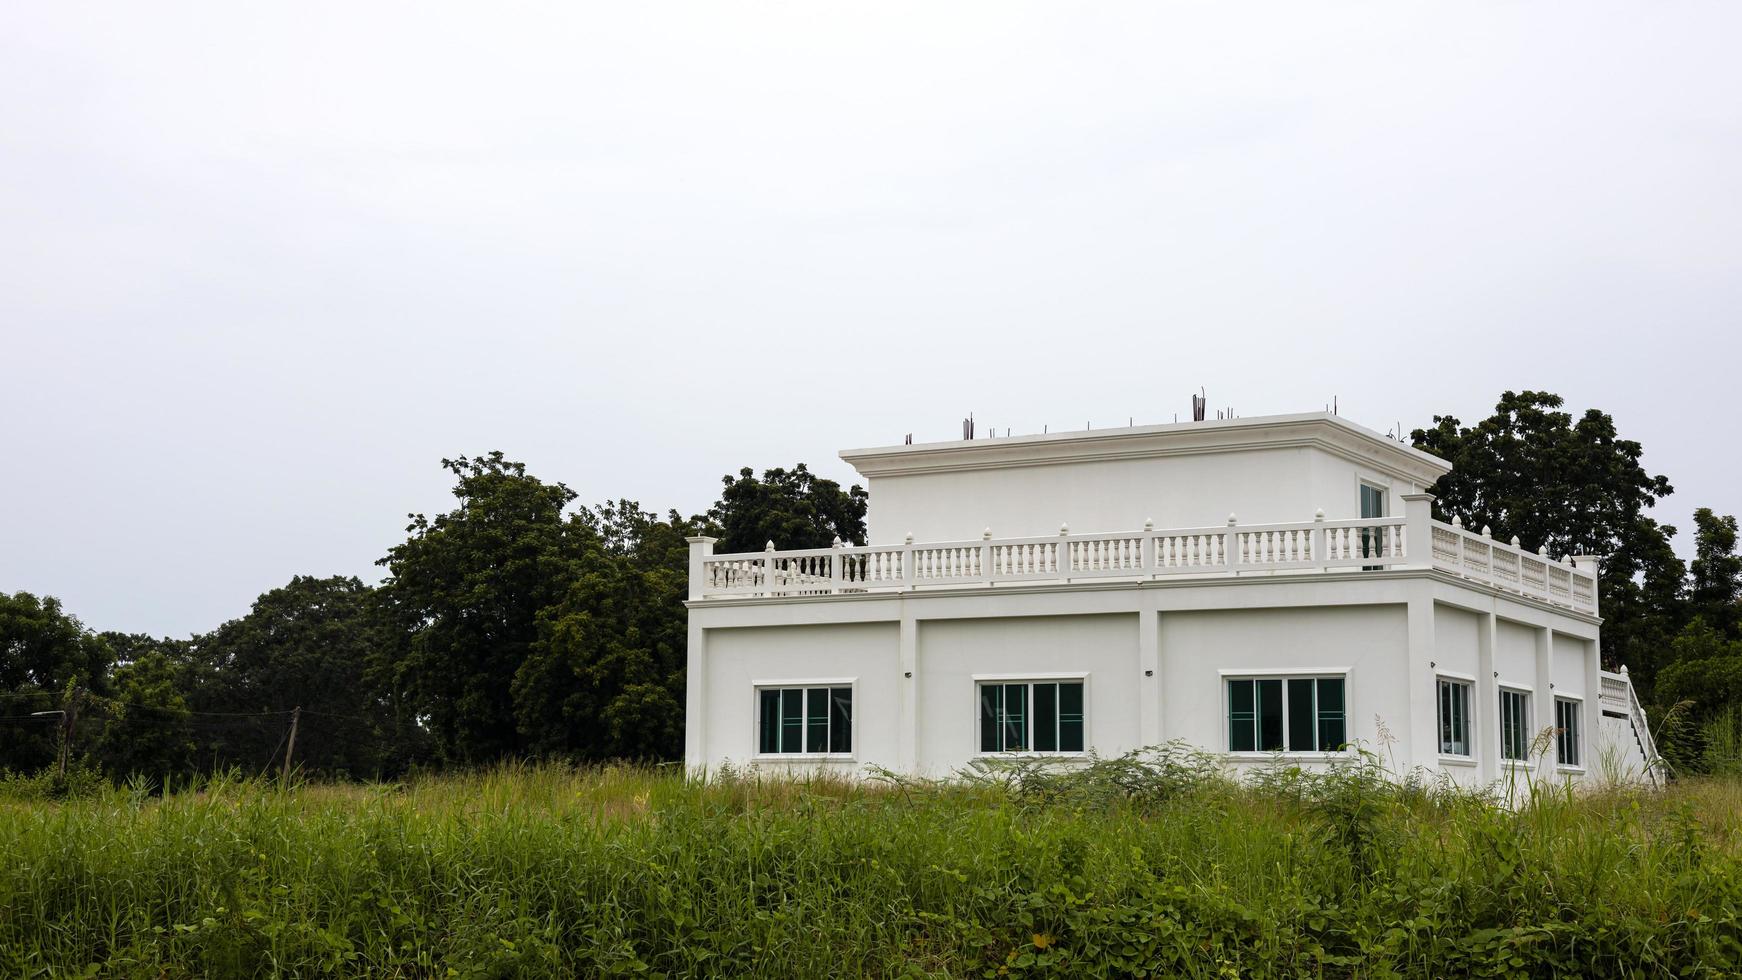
(260, 269)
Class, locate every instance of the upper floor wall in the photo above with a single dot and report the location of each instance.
(1270, 469)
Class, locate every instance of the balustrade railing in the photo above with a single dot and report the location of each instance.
(1230, 549)
(1615, 692)
(1509, 567)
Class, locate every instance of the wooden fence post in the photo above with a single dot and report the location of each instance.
(295, 717)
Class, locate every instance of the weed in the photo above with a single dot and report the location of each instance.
(1149, 864)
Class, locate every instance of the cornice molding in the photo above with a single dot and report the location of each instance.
(1170, 582)
(1322, 431)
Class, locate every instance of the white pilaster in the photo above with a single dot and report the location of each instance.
(1542, 699)
(696, 663)
(908, 744)
(1420, 718)
(701, 547)
(1149, 721)
(1418, 530)
(1592, 716)
(1590, 563)
(695, 698)
(1485, 701)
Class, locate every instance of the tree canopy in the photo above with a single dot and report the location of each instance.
(1574, 488)
(605, 678)
(44, 653)
(792, 508)
(1715, 586)
(467, 589)
(148, 727)
(304, 645)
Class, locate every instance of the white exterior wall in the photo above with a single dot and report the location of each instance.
(1197, 632)
(1262, 486)
(1264, 471)
(739, 659)
(1457, 637)
(1515, 656)
(1366, 644)
(1104, 648)
(1570, 656)
(1337, 481)
(1458, 656)
(1575, 669)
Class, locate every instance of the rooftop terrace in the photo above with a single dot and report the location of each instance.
(1414, 540)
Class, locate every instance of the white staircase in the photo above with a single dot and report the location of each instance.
(1626, 752)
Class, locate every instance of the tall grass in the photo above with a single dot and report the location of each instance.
(1723, 738)
(1150, 865)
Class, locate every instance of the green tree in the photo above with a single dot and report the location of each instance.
(606, 677)
(194, 679)
(44, 653)
(125, 648)
(149, 727)
(466, 590)
(1574, 488)
(1696, 695)
(1705, 670)
(793, 508)
(307, 645)
(103, 725)
(1715, 586)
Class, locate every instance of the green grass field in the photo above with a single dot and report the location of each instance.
(1152, 867)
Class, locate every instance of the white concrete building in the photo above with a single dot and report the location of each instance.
(1259, 587)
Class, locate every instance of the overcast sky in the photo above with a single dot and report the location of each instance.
(261, 269)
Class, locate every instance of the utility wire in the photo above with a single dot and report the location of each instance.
(329, 714)
(210, 714)
(117, 702)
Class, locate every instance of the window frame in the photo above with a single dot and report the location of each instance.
(1031, 679)
(1369, 540)
(1225, 677)
(1577, 704)
(1525, 721)
(802, 684)
(1471, 728)
(1382, 492)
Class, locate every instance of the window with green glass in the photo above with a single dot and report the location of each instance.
(1454, 717)
(816, 720)
(1514, 724)
(1031, 716)
(1566, 723)
(1292, 714)
(1372, 505)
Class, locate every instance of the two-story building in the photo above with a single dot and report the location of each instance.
(1260, 587)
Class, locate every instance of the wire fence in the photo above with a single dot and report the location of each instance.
(120, 736)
